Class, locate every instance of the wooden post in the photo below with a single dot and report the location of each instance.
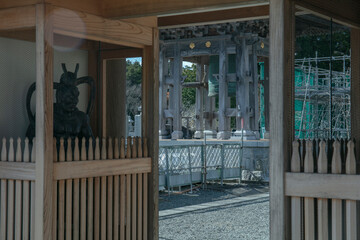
(150, 123)
(282, 112)
(44, 123)
(266, 96)
(163, 73)
(176, 97)
(355, 100)
(199, 122)
(224, 132)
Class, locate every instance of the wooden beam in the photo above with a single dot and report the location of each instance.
(17, 171)
(91, 27)
(17, 18)
(150, 128)
(330, 186)
(121, 53)
(238, 14)
(344, 11)
(144, 21)
(142, 8)
(100, 168)
(282, 38)
(44, 123)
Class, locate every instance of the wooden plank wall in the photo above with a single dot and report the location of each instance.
(342, 159)
(79, 213)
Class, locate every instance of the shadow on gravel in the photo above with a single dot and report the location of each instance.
(214, 209)
(213, 192)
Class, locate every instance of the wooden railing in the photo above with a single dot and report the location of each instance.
(99, 190)
(322, 173)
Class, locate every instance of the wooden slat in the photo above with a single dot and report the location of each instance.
(4, 192)
(26, 198)
(139, 193)
(128, 193)
(90, 196)
(238, 14)
(44, 123)
(295, 201)
(55, 194)
(17, 18)
(323, 228)
(350, 204)
(11, 196)
(116, 193)
(18, 194)
(87, 26)
(103, 194)
(336, 208)
(83, 219)
(17, 171)
(145, 186)
(32, 213)
(122, 206)
(76, 201)
(69, 198)
(309, 208)
(133, 193)
(110, 182)
(122, 193)
(61, 196)
(335, 186)
(97, 195)
(98, 168)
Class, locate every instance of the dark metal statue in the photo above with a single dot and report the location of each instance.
(69, 121)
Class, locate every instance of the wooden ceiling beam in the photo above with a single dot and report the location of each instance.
(141, 8)
(345, 12)
(91, 27)
(17, 18)
(246, 13)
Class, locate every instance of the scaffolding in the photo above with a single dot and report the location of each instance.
(322, 97)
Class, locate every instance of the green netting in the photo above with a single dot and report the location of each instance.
(214, 69)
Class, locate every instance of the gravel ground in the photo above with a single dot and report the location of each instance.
(246, 220)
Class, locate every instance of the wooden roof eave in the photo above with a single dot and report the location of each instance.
(78, 24)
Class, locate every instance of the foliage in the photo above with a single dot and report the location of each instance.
(307, 46)
(133, 87)
(189, 94)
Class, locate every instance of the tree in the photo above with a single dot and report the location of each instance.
(133, 87)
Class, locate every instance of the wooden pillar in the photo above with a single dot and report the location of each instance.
(282, 40)
(176, 96)
(254, 94)
(116, 116)
(44, 124)
(245, 99)
(150, 128)
(163, 73)
(209, 109)
(266, 97)
(199, 122)
(224, 132)
(355, 101)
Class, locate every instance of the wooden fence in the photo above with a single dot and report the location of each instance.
(99, 192)
(323, 189)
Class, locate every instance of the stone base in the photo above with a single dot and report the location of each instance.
(210, 134)
(177, 135)
(267, 135)
(223, 135)
(199, 134)
(164, 135)
(246, 135)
